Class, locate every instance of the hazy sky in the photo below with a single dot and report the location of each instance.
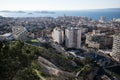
(57, 4)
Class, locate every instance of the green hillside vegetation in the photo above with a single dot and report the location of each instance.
(18, 61)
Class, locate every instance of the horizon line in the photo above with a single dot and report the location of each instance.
(62, 10)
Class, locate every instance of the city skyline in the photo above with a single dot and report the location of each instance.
(57, 4)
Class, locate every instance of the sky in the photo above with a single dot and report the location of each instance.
(57, 4)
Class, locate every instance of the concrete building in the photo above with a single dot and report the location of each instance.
(95, 32)
(116, 47)
(84, 30)
(7, 37)
(102, 19)
(73, 37)
(99, 41)
(20, 32)
(58, 35)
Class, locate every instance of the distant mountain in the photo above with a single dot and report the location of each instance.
(47, 12)
(21, 11)
(105, 10)
(30, 13)
(53, 12)
(113, 9)
(7, 11)
(108, 10)
(44, 12)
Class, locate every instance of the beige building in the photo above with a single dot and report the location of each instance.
(116, 47)
(58, 35)
(73, 37)
(19, 32)
(95, 32)
(99, 41)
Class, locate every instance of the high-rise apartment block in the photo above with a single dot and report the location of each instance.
(58, 35)
(116, 47)
(73, 37)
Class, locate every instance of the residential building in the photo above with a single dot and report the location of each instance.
(99, 40)
(102, 19)
(73, 37)
(116, 47)
(20, 32)
(96, 32)
(58, 35)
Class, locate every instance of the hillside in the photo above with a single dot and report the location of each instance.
(22, 61)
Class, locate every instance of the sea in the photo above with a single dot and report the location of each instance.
(93, 14)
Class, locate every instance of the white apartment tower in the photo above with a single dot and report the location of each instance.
(58, 35)
(116, 47)
(73, 37)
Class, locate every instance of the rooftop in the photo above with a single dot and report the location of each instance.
(7, 34)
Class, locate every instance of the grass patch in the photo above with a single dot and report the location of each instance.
(34, 40)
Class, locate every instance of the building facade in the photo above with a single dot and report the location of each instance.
(20, 32)
(73, 37)
(58, 35)
(99, 41)
(116, 47)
